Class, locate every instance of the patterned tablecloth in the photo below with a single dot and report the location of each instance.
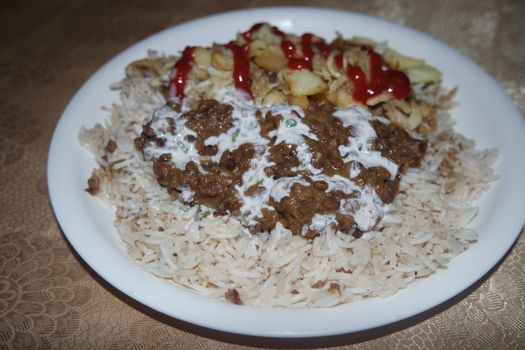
(50, 299)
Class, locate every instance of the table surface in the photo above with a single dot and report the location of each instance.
(50, 299)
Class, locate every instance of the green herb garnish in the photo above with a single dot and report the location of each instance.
(182, 146)
(235, 134)
(290, 123)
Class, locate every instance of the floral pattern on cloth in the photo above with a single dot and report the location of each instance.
(49, 300)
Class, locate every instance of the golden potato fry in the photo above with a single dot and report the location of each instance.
(398, 61)
(304, 83)
(221, 60)
(202, 57)
(424, 74)
(272, 60)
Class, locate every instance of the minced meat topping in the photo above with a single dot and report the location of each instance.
(303, 168)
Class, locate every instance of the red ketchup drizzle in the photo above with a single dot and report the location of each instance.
(241, 58)
(181, 70)
(323, 48)
(304, 62)
(288, 48)
(338, 60)
(306, 43)
(241, 67)
(248, 34)
(389, 80)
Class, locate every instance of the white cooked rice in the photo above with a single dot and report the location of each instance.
(423, 229)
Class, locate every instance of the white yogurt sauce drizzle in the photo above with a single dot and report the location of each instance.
(359, 147)
(182, 152)
(366, 207)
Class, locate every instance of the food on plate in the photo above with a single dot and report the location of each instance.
(283, 170)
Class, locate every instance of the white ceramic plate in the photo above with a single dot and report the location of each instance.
(484, 113)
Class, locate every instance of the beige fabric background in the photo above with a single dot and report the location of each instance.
(49, 299)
